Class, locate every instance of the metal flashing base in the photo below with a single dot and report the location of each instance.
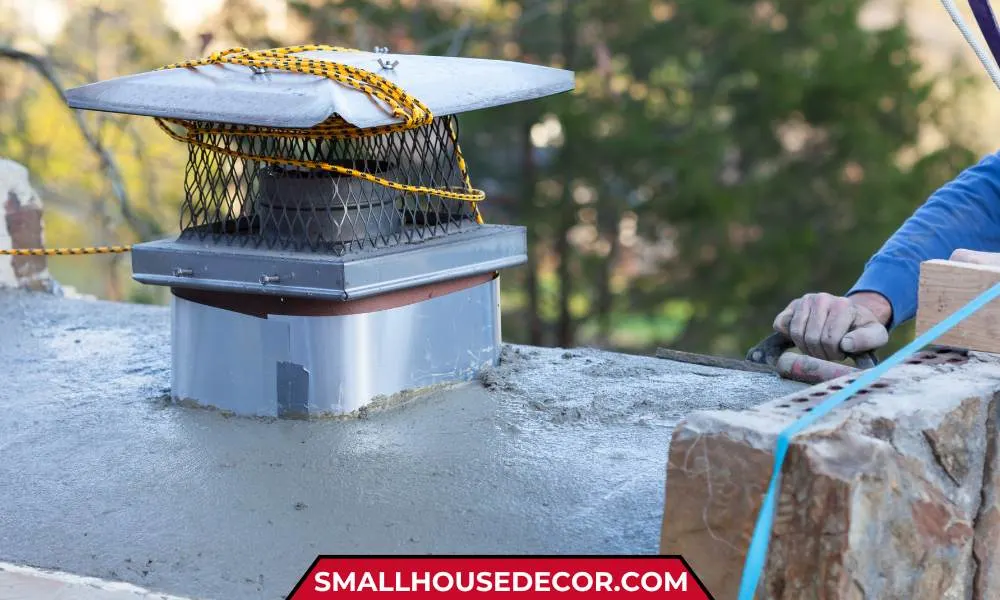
(205, 265)
(303, 366)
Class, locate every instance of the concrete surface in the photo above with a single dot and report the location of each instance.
(554, 452)
(26, 583)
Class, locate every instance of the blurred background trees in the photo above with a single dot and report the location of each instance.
(717, 159)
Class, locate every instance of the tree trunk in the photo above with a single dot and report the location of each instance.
(609, 227)
(565, 328)
(115, 290)
(529, 177)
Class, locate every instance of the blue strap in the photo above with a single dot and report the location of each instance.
(756, 559)
(987, 25)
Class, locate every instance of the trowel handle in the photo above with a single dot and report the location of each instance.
(767, 351)
(866, 360)
(773, 346)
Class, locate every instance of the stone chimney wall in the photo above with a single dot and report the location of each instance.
(21, 227)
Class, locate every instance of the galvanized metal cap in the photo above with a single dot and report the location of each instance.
(235, 94)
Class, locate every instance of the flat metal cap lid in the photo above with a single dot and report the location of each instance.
(234, 94)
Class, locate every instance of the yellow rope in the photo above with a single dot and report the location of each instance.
(395, 100)
(65, 251)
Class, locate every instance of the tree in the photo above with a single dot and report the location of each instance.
(717, 159)
(787, 123)
(240, 23)
(106, 179)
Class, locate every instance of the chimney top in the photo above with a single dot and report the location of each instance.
(237, 94)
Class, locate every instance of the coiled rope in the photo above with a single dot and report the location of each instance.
(395, 100)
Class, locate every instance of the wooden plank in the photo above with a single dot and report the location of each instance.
(945, 287)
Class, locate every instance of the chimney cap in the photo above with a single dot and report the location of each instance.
(229, 93)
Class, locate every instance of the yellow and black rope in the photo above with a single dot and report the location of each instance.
(412, 112)
(65, 251)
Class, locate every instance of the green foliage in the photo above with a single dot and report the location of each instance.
(724, 156)
(717, 159)
(801, 181)
(101, 39)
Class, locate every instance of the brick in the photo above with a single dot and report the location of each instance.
(21, 227)
(893, 495)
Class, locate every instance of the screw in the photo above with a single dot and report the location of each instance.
(179, 272)
(266, 279)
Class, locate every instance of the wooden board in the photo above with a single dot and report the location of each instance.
(945, 287)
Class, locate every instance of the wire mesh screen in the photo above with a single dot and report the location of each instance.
(252, 202)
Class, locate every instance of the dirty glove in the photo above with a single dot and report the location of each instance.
(979, 258)
(830, 327)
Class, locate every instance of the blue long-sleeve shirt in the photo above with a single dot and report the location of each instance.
(964, 213)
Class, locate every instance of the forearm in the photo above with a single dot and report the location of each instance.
(965, 213)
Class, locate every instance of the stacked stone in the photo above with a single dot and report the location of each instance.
(896, 494)
(21, 227)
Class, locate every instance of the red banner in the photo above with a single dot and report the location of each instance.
(364, 577)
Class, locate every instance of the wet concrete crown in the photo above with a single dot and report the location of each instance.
(555, 451)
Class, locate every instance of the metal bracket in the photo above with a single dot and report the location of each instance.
(232, 268)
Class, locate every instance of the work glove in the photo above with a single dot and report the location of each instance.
(831, 327)
(974, 256)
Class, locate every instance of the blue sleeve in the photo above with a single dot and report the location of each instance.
(964, 213)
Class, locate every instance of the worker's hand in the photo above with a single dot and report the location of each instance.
(979, 258)
(830, 327)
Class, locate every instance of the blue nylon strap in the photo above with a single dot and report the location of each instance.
(983, 13)
(756, 559)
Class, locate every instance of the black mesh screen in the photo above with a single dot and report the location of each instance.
(250, 202)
